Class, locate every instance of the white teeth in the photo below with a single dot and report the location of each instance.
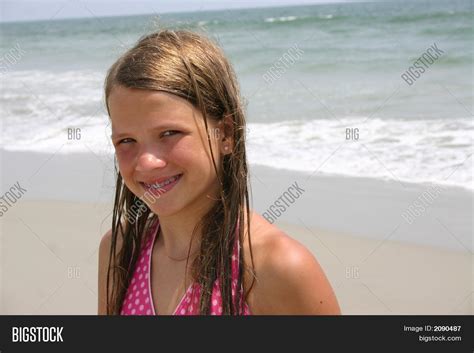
(157, 186)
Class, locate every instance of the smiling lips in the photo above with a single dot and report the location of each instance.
(161, 186)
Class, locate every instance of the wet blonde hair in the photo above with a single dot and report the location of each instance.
(193, 67)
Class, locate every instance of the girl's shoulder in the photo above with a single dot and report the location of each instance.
(289, 278)
(272, 247)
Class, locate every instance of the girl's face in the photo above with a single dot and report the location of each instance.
(161, 138)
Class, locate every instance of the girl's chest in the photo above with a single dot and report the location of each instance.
(167, 285)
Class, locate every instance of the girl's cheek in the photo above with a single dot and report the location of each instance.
(125, 157)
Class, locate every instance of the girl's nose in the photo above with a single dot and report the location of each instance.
(148, 161)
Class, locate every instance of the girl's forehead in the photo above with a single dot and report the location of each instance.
(126, 103)
(131, 107)
(141, 99)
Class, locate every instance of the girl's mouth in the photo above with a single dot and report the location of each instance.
(160, 188)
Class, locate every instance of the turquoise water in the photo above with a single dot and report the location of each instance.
(347, 75)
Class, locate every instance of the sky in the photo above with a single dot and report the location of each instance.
(27, 10)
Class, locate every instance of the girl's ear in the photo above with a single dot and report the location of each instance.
(226, 136)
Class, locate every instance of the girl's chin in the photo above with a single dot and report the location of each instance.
(163, 211)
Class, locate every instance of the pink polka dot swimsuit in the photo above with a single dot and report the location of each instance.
(138, 299)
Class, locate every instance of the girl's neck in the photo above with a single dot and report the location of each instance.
(176, 232)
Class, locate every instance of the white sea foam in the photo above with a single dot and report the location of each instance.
(417, 151)
(281, 19)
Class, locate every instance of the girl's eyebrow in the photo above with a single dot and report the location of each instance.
(116, 136)
(158, 127)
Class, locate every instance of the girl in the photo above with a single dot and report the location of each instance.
(183, 239)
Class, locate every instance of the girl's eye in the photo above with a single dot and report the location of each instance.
(170, 133)
(125, 140)
(164, 134)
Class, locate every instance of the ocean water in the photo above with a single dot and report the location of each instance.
(336, 105)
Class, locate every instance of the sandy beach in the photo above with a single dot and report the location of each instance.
(49, 247)
(50, 256)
